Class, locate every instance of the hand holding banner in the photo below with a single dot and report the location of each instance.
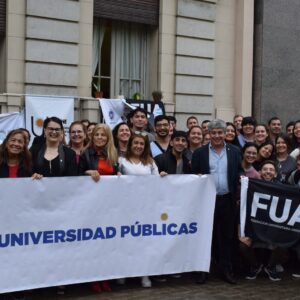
(58, 231)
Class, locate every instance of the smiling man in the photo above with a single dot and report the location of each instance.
(162, 138)
(139, 122)
(174, 161)
(223, 162)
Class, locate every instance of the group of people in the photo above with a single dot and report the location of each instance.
(225, 150)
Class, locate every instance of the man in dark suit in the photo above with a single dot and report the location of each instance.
(223, 162)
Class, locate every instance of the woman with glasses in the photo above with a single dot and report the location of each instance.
(78, 141)
(138, 161)
(52, 158)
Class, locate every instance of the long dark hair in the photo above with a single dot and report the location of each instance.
(115, 133)
(235, 140)
(286, 139)
(53, 119)
(25, 155)
(146, 158)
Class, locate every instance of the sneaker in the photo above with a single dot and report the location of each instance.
(61, 290)
(146, 282)
(296, 274)
(254, 271)
(271, 272)
(279, 268)
(177, 275)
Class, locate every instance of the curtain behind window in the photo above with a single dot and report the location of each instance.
(131, 57)
(98, 35)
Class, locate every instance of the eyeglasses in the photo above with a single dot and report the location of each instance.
(162, 125)
(51, 129)
(143, 133)
(76, 132)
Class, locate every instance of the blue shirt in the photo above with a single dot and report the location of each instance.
(218, 168)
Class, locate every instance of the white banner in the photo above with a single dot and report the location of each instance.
(243, 204)
(10, 121)
(115, 111)
(59, 231)
(38, 108)
(112, 110)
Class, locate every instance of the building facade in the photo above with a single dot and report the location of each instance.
(199, 53)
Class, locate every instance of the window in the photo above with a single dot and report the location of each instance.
(120, 58)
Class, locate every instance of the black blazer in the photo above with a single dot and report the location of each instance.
(89, 161)
(67, 157)
(200, 165)
(167, 162)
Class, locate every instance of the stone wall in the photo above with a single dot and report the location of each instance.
(277, 60)
(195, 65)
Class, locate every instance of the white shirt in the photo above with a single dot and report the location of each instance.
(130, 168)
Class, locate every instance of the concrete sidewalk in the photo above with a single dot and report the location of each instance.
(184, 288)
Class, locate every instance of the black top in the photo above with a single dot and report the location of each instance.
(89, 161)
(22, 172)
(63, 165)
(167, 162)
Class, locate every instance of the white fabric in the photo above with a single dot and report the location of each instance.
(243, 204)
(56, 220)
(295, 153)
(129, 168)
(38, 108)
(10, 121)
(112, 111)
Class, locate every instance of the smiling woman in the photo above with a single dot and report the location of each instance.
(138, 160)
(121, 134)
(78, 138)
(52, 158)
(100, 157)
(15, 158)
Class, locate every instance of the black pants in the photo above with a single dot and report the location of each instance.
(223, 231)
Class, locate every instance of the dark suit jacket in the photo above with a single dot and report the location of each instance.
(200, 165)
(67, 156)
(167, 162)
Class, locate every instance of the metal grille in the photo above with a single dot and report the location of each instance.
(137, 11)
(2, 17)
